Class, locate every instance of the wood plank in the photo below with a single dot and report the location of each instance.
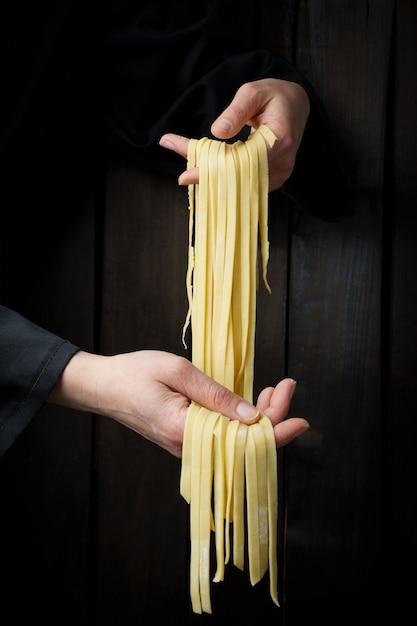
(334, 526)
(400, 299)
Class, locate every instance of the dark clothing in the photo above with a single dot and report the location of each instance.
(132, 70)
(31, 360)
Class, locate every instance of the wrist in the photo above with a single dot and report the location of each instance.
(77, 387)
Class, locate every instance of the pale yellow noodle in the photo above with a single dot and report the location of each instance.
(224, 463)
(230, 444)
(239, 498)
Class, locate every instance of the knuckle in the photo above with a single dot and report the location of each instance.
(249, 88)
(219, 397)
(181, 365)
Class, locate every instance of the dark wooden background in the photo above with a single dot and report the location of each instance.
(93, 528)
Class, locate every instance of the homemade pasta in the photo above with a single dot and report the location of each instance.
(229, 470)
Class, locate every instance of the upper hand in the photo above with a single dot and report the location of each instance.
(281, 105)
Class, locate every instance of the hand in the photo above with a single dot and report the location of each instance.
(281, 105)
(149, 392)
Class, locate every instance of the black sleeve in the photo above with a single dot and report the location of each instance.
(31, 361)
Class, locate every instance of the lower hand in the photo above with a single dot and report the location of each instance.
(150, 391)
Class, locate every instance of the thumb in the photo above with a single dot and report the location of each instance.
(219, 399)
(235, 116)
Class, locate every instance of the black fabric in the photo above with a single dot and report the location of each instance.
(31, 360)
(128, 71)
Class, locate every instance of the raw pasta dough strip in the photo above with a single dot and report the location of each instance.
(271, 459)
(190, 269)
(261, 485)
(262, 476)
(220, 494)
(220, 278)
(249, 168)
(200, 509)
(202, 293)
(205, 516)
(230, 447)
(265, 135)
(187, 450)
(239, 498)
(252, 508)
(213, 270)
(196, 442)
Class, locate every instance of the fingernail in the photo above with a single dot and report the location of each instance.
(223, 124)
(302, 430)
(293, 387)
(166, 144)
(247, 412)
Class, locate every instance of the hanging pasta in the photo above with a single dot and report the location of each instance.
(229, 470)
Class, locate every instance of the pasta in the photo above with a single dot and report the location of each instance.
(229, 470)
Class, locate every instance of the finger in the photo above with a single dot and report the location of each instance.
(189, 177)
(289, 429)
(264, 399)
(245, 104)
(176, 143)
(280, 400)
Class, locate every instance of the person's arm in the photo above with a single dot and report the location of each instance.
(149, 392)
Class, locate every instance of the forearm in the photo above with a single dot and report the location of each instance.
(78, 386)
